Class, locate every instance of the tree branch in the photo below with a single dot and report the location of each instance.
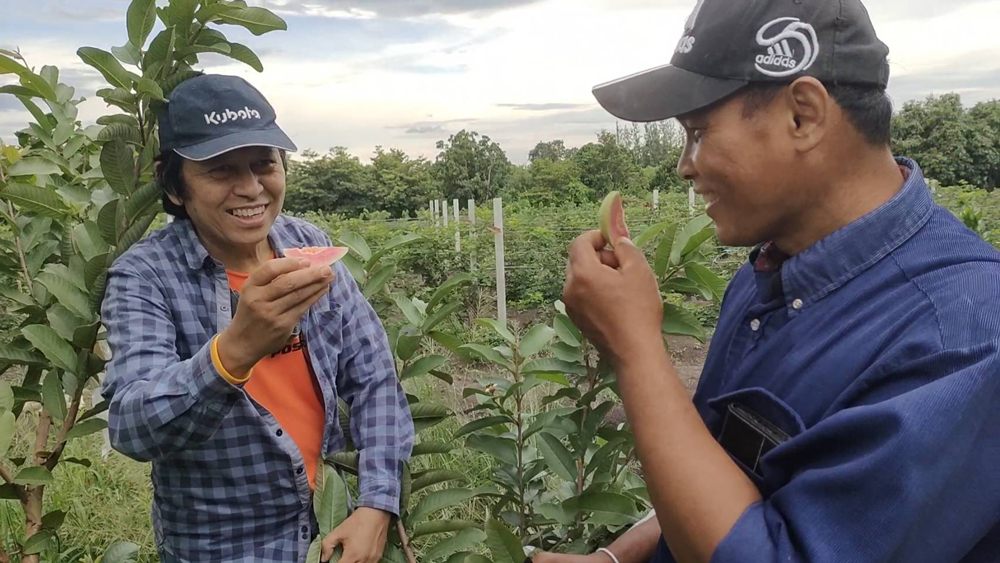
(74, 409)
(42, 437)
(17, 240)
(405, 542)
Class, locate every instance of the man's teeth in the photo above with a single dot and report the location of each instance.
(248, 213)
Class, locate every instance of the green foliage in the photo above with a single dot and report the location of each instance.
(471, 166)
(73, 199)
(951, 143)
(608, 166)
(339, 182)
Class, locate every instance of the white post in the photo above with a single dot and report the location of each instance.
(656, 199)
(430, 205)
(444, 211)
(691, 199)
(458, 228)
(501, 272)
(472, 232)
(436, 213)
(170, 218)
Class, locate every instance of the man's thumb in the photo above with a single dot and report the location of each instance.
(627, 252)
(330, 544)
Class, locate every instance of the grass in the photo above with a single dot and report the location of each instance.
(105, 503)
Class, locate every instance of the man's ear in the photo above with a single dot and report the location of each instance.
(169, 193)
(812, 111)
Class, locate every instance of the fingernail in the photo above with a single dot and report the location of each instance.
(304, 263)
(327, 272)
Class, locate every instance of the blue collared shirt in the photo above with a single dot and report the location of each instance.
(877, 352)
(229, 483)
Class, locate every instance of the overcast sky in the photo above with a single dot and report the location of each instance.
(407, 73)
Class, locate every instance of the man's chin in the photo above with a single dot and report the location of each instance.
(732, 237)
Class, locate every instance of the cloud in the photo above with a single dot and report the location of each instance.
(389, 8)
(62, 11)
(543, 107)
(974, 83)
(426, 130)
(882, 11)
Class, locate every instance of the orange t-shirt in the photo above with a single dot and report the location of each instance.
(284, 385)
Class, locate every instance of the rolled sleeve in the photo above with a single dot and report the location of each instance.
(381, 424)
(890, 477)
(159, 404)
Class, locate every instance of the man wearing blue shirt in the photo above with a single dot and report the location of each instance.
(849, 410)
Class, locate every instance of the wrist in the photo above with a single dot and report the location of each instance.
(604, 555)
(376, 512)
(232, 357)
(635, 353)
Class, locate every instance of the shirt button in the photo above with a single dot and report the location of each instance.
(797, 304)
(225, 307)
(299, 471)
(305, 530)
(305, 536)
(279, 432)
(755, 325)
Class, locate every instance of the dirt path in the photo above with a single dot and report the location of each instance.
(688, 356)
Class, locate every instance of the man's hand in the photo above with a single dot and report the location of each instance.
(362, 535)
(546, 557)
(274, 298)
(612, 296)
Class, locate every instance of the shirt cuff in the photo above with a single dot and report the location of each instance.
(222, 369)
(383, 495)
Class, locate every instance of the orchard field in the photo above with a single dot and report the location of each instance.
(521, 440)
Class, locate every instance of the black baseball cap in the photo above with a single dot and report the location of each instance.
(212, 114)
(728, 44)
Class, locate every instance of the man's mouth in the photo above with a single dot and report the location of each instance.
(709, 198)
(248, 212)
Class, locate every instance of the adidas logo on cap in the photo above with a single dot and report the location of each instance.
(778, 55)
(781, 60)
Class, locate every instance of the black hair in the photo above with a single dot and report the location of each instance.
(169, 175)
(868, 108)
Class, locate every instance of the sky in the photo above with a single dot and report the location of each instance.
(407, 73)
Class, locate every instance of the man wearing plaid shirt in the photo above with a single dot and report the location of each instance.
(235, 401)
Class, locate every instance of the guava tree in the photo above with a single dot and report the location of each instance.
(72, 199)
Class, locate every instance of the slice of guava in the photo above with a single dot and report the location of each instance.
(318, 255)
(612, 218)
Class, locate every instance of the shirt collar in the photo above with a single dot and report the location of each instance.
(843, 255)
(196, 254)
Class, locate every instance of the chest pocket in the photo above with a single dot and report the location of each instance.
(754, 422)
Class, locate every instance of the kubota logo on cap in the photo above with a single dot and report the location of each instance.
(216, 118)
(790, 52)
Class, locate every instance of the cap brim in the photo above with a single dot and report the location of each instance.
(260, 138)
(661, 93)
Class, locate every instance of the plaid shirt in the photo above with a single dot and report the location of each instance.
(229, 483)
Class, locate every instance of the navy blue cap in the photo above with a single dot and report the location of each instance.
(728, 44)
(212, 114)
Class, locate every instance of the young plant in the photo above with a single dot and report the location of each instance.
(410, 346)
(681, 268)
